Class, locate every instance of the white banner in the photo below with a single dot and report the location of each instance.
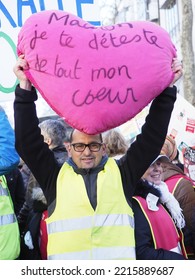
(12, 17)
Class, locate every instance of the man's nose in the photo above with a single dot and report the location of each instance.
(87, 151)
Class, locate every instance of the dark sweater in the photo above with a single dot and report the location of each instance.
(41, 161)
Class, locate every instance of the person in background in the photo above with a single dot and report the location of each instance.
(170, 150)
(68, 129)
(34, 212)
(9, 159)
(177, 161)
(116, 144)
(55, 134)
(191, 170)
(25, 172)
(89, 197)
(16, 187)
(183, 189)
(158, 218)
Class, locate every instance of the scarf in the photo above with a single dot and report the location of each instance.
(171, 204)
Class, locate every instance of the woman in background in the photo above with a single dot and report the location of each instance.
(158, 218)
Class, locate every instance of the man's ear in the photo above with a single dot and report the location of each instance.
(68, 148)
(66, 144)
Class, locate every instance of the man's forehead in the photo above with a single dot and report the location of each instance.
(81, 135)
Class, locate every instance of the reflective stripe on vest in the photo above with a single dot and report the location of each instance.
(86, 222)
(77, 231)
(3, 191)
(7, 219)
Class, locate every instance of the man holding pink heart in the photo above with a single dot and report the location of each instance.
(89, 197)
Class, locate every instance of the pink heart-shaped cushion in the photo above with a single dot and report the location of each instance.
(95, 77)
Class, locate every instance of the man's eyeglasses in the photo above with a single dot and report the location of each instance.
(80, 147)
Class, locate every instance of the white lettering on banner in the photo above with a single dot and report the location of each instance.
(12, 17)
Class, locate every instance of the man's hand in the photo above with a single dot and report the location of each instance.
(177, 70)
(18, 69)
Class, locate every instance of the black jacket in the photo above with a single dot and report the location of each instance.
(16, 187)
(41, 161)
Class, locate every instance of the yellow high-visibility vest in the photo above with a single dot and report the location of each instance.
(77, 231)
(9, 231)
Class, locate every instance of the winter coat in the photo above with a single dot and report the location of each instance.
(185, 194)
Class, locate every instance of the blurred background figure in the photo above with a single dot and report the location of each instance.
(183, 189)
(171, 151)
(116, 144)
(68, 130)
